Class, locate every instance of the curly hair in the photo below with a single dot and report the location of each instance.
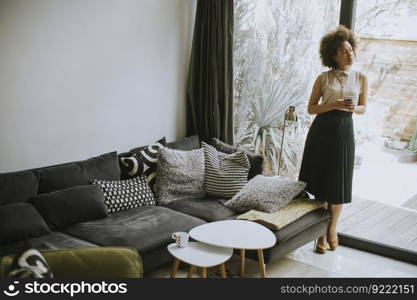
(331, 42)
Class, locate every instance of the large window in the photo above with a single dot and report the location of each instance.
(276, 59)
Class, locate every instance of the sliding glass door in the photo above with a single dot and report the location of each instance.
(384, 208)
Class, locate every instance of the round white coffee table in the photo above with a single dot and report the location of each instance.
(200, 255)
(238, 234)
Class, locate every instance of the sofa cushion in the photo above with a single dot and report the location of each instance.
(295, 234)
(266, 193)
(142, 161)
(180, 174)
(125, 194)
(208, 209)
(97, 262)
(104, 167)
(53, 240)
(70, 206)
(256, 161)
(284, 216)
(143, 228)
(17, 187)
(301, 224)
(187, 143)
(224, 174)
(20, 221)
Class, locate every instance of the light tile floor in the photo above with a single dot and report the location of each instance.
(303, 262)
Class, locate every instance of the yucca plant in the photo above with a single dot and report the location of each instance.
(264, 130)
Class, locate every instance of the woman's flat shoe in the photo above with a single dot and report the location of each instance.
(333, 244)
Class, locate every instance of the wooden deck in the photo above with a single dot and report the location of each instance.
(371, 220)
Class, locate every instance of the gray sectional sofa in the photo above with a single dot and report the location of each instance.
(147, 229)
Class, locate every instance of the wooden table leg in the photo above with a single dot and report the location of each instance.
(191, 271)
(261, 263)
(203, 272)
(175, 266)
(242, 262)
(223, 270)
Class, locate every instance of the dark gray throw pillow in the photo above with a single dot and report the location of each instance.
(256, 161)
(69, 206)
(180, 174)
(17, 187)
(20, 221)
(265, 193)
(186, 144)
(104, 167)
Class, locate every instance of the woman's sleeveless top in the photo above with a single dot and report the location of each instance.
(337, 84)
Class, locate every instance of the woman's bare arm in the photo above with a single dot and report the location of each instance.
(363, 98)
(316, 93)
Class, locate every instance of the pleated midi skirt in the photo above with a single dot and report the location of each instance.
(328, 158)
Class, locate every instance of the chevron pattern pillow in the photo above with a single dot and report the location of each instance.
(225, 174)
(125, 194)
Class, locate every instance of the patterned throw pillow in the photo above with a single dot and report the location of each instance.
(266, 193)
(225, 174)
(29, 264)
(124, 194)
(142, 161)
(255, 161)
(180, 175)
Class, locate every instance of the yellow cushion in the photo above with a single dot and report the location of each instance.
(284, 216)
(109, 262)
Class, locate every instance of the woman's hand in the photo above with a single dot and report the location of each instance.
(350, 106)
(338, 104)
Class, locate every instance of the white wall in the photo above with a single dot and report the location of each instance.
(83, 77)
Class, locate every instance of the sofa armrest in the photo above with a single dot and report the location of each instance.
(109, 262)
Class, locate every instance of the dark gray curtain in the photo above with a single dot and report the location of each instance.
(210, 78)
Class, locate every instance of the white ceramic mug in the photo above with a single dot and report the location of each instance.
(181, 239)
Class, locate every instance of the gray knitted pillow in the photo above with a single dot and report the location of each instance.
(265, 193)
(180, 174)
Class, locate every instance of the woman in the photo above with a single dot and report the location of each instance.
(329, 152)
